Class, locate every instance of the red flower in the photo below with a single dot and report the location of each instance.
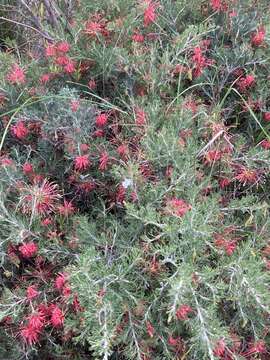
(121, 194)
(218, 5)
(224, 182)
(81, 162)
(60, 281)
(45, 78)
(150, 13)
(140, 117)
(40, 198)
(266, 116)
(101, 120)
(5, 161)
(50, 51)
(177, 207)
(258, 347)
(122, 150)
(28, 250)
(70, 67)
(63, 46)
(257, 38)
(95, 28)
(229, 245)
(249, 79)
(92, 84)
(87, 186)
(103, 161)
(245, 83)
(74, 105)
(44, 310)
(99, 133)
(76, 304)
(179, 69)
(172, 341)
(62, 60)
(46, 222)
(212, 156)
(247, 176)
(134, 196)
(30, 335)
(36, 321)
(31, 292)
(20, 130)
(137, 37)
(57, 316)
(183, 311)
(200, 61)
(219, 349)
(150, 329)
(16, 75)
(66, 209)
(27, 168)
(191, 105)
(265, 144)
(66, 291)
(84, 147)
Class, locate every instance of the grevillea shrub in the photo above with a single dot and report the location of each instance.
(134, 176)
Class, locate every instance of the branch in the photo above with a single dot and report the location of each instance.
(42, 33)
(35, 20)
(49, 8)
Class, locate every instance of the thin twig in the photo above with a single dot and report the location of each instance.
(46, 36)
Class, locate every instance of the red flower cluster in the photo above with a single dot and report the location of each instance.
(28, 250)
(183, 311)
(27, 168)
(101, 120)
(247, 176)
(177, 207)
(200, 61)
(74, 105)
(57, 316)
(16, 76)
(212, 156)
(265, 144)
(81, 162)
(30, 332)
(120, 194)
(219, 5)
(103, 161)
(122, 150)
(39, 198)
(226, 241)
(96, 27)
(219, 349)
(150, 329)
(150, 13)
(66, 209)
(266, 116)
(58, 52)
(258, 347)
(258, 37)
(31, 292)
(36, 322)
(224, 182)
(245, 83)
(137, 37)
(140, 117)
(20, 130)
